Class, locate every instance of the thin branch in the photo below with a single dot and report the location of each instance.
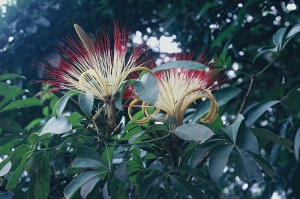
(245, 98)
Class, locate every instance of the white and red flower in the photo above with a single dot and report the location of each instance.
(91, 65)
(178, 88)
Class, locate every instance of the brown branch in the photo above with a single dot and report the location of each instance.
(245, 98)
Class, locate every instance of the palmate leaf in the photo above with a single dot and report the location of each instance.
(247, 140)
(10, 125)
(121, 172)
(153, 128)
(10, 76)
(297, 144)
(180, 64)
(148, 183)
(88, 157)
(23, 103)
(269, 135)
(194, 132)
(76, 183)
(42, 184)
(10, 91)
(147, 88)
(232, 130)
(185, 188)
(257, 110)
(88, 187)
(247, 167)
(203, 149)
(264, 165)
(86, 102)
(218, 160)
(278, 37)
(61, 103)
(196, 172)
(56, 126)
(222, 97)
(120, 93)
(5, 166)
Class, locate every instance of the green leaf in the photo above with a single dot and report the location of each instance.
(247, 167)
(23, 103)
(277, 90)
(88, 187)
(14, 179)
(86, 102)
(180, 64)
(19, 152)
(148, 183)
(222, 97)
(5, 101)
(108, 155)
(195, 132)
(218, 160)
(232, 130)
(293, 98)
(31, 186)
(169, 120)
(196, 172)
(105, 191)
(10, 125)
(56, 126)
(5, 169)
(278, 36)
(42, 184)
(61, 103)
(147, 88)
(10, 91)
(10, 76)
(205, 8)
(257, 111)
(120, 93)
(153, 128)
(203, 149)
(269, 135)
(225, 34)
(264, 165)
(121, 172)
(76, 183)
(186, 188)
(247, 140)
(273, 49)
(294, 30)
(297, 144)
(88, 158)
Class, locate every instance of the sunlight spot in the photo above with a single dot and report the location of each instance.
(291, 6)
(10, 39)
(2, 2)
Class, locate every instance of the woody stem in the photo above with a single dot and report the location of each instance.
(111, 119)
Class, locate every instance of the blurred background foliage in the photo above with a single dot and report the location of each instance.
(30, 29)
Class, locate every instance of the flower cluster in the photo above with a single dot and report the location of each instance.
(178, 88)
(92, 66)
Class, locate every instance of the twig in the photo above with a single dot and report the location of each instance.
(245, 98)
